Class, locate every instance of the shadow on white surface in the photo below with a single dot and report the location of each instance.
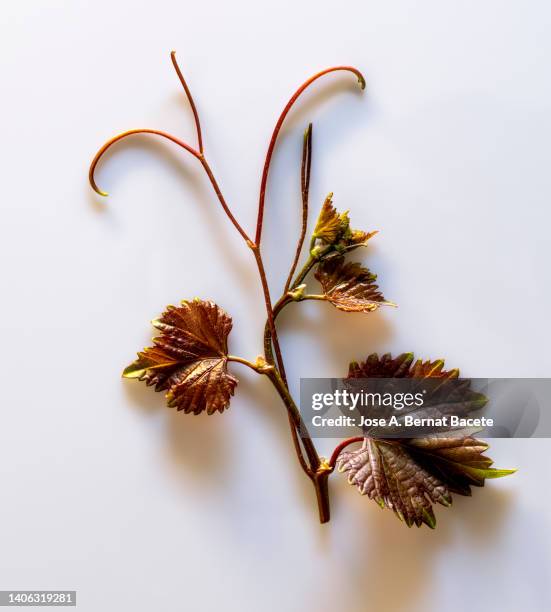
(340, 337)
(393, 567)
(197, 445)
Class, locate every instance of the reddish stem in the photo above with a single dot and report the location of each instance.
(277, 129)
(222, 201)
(338, 450)
(304, 188)
(269, 311)
(190, 100)
(321, 486)
(185, 146)
(315, 471)
(115, 139)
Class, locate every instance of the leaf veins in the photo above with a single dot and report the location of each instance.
(410, 475)
(349, 286)
(189, 358)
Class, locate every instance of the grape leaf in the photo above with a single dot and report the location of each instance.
(349, 286)
(409, 475)
(332, 229)
(189, 358)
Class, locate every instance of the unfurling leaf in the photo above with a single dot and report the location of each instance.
(333, 231)
(330, 224)
(409, 475)
(189, 358)
(349, 286)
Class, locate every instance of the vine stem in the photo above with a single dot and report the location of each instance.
(338, 450)
(258, 369)
(265, 369)
(190, 100)
(317, 469)
(275, 134)
(286, 298)
(123, 135)
(222, 201)
(304, 190)
(269, 310)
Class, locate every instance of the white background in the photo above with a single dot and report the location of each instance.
(105, 490)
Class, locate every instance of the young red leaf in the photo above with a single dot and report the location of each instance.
(189, 358)
(409, 475)
(349, 286)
